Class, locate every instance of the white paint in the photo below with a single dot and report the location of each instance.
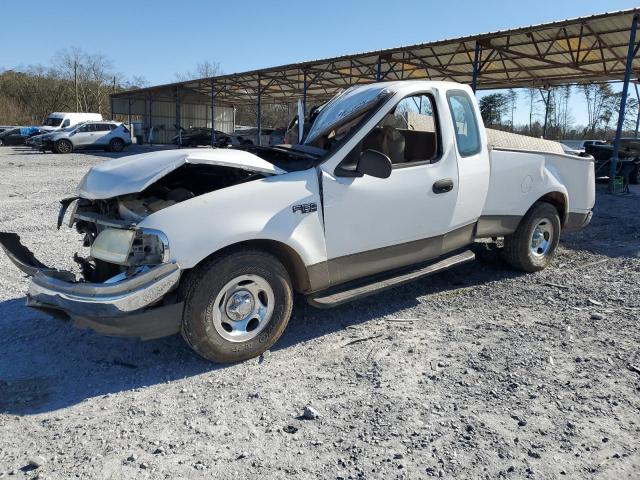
(136, 172)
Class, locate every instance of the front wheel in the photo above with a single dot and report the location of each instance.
(533, 245)
(236, 306)
(116, 145)
(63, 146)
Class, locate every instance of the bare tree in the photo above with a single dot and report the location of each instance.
(204, 69)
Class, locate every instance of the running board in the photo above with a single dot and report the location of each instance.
(340, 294)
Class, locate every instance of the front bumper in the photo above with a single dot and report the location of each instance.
(137, 305)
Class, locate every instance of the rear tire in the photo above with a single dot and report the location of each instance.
(533, 245)
(236, 305)
(116, 145)
(63, 146)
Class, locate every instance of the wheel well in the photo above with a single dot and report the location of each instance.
(559, 201)
(284, 253)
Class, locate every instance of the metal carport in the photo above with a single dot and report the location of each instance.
(580, 50)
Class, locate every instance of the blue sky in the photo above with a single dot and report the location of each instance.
(156, 39)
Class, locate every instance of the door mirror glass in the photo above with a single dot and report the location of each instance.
(374, 163)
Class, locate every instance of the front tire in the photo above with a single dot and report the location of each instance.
(533, 245)
(236, 306)
(116, 145)
(63, 146)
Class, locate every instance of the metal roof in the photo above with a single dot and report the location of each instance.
(578, 50)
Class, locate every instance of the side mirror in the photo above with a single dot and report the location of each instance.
(374, 163)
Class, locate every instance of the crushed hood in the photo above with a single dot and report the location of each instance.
(134, 173)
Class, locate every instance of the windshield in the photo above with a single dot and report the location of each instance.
(52, 122)
(349, 105)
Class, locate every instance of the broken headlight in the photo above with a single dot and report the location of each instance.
(131, 247)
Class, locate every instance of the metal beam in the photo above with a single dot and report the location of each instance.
(476, 62)
(638, 107)
(213, 112)
(259, 112)
(304, 93)
(546, 111)
(613, 167)
(178, 124)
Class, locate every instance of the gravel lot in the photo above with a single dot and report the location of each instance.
(480, 372)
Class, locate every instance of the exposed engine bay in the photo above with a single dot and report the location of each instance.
(118, 216)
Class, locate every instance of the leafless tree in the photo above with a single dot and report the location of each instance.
(204, 69)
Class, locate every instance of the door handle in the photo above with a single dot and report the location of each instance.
(443, 186)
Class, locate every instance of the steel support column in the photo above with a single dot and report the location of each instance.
(546, 112)
(613, 167)
(111, 99)
(213, 112)
(476, 63)
(150, 139)
(379, 70)
(638, 115)
(178, 124)
(305, 86)
(259, 112)
(129, 117)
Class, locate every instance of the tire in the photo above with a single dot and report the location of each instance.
(634, 176)
(524, 252)
(235, 284)
(116, 145)
(63, 146)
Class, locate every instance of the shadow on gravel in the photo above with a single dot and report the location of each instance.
(47, 364)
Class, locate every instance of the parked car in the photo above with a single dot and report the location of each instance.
(18, 136)
(110, 136)
(193, 137)
(4, 128)
(58, 120)
(394, 182)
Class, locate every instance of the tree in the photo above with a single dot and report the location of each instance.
(204, 69)
(493, 107)
(598, 98)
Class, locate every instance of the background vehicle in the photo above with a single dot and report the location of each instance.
(111, 136)
(193, 137)
(58, 120)
(18, 136)
(628, 164)
(393, 182)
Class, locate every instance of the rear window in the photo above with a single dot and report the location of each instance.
(464, 123)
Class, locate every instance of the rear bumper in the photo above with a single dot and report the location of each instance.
(136, 305)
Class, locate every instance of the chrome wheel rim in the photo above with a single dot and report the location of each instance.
(542, 238)
(243, 308)
(64, 147)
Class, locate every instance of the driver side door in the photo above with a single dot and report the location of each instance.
(378, 224)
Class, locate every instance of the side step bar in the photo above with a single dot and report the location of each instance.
(340, 294)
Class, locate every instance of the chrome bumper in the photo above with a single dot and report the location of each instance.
(122, 306)
(104, 299)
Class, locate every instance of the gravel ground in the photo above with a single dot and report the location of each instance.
(480, 372)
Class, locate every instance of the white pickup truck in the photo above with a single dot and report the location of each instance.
(392, 182)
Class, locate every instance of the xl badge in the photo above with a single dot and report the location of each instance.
(305, 208)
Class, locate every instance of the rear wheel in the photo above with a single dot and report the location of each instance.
(533, 245)
(116, 145)
(236, 306)
(63, 146)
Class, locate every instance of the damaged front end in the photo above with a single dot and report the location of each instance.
(135, 302)
(128, 282)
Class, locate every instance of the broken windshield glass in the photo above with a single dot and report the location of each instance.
(344, 107)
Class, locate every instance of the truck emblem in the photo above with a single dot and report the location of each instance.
(305, 208)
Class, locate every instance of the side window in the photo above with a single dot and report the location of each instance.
(464, 123)
(65, 124)
(85, 128)
(407, 134)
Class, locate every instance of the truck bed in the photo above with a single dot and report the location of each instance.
(514, 141)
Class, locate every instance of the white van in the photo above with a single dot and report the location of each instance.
(59, 120)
